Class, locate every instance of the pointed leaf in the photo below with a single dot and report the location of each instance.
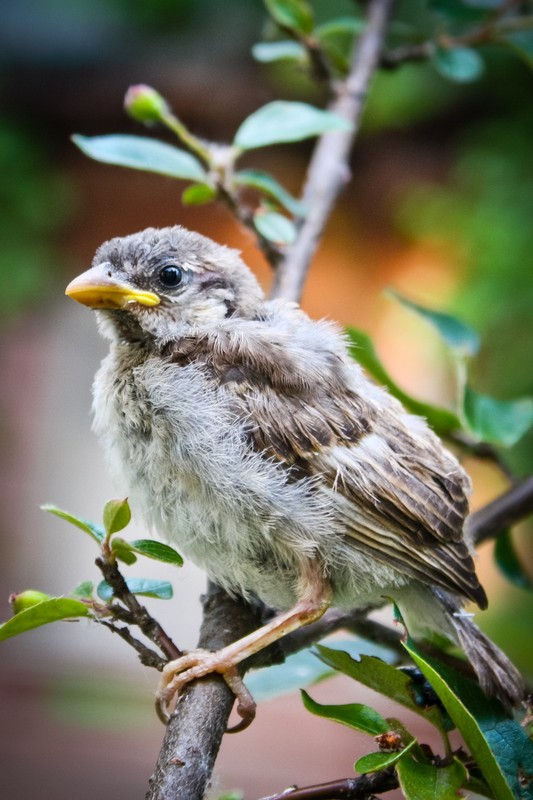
(198, 194)
(140, 152)
(284, 121)
(509, 563)
(498, 421)
(354, 715)
(457, 334)
(52, 610)
(267, 185)
(147, 587)
(460, 64)
(117, 515)
(362, 350)
(381, 760)
(158, 551)
(434, 783)
(294, 14)
(275, 227)
(96, 532)
(304, 668)
(499, 745)
(266, 52)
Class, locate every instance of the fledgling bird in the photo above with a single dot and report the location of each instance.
(247, 435)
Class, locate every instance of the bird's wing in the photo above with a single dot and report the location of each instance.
(400, 495)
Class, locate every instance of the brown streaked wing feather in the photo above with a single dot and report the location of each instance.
(403, 502)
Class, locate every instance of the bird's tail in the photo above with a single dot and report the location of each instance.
(497, 676)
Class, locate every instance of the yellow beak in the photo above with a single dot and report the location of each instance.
(97, 289)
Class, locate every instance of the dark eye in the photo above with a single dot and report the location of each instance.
(171, 276)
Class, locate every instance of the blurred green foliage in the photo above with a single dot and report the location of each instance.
(34, 200)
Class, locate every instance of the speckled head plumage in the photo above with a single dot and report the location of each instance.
(175, 277)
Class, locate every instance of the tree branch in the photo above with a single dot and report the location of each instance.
(194, 732)
(506, 510)
(362, 788)
(329, 168)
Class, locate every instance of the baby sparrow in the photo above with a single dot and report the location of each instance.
(246, 434)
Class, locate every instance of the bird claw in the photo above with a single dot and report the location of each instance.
(197, 664)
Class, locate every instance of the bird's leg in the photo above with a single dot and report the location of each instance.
(315, 597)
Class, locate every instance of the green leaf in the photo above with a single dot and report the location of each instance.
(354, 715)
(123, 550)
(459, 336)
(374, 673)
(52, 610)
(147, 587)
(381, 760)
(83, 590)
(157, 551)
(268, 186)
(139, 152)
(499, 745)
(198, 194)
(117, 515)
(294, 14)
(498, 421)
(266, 52)
(460, 64)
(427, 781)
(362, 350)
(304, 668)
(285, 121)
(509, 563)
(275, 227)
(96, 532)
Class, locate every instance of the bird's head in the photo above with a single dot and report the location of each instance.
(160, 283)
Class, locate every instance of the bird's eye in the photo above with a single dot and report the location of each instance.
(171, 276)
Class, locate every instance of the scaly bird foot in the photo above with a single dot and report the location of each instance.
(197, 664)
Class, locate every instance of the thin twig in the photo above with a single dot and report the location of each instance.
(144, 621)
(195, 730)
(506, 510)
(329, 167)
(362, 788)
(146, 656)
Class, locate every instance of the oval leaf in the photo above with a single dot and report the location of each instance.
(425, 780)
(139, 152)
(459, 336)
(284, 121)
(294, 14)
(157, 551)
(460, 64)
(354, 715)
(84, 589)
(509, 563)
(267, 52)
(96, 532)
(147, 587)
(380, 760)
(52, 610)
(117, 516)
(275, 227)
(268, 186)
(497, 421)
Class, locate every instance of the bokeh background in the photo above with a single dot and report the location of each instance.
(439, 207)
